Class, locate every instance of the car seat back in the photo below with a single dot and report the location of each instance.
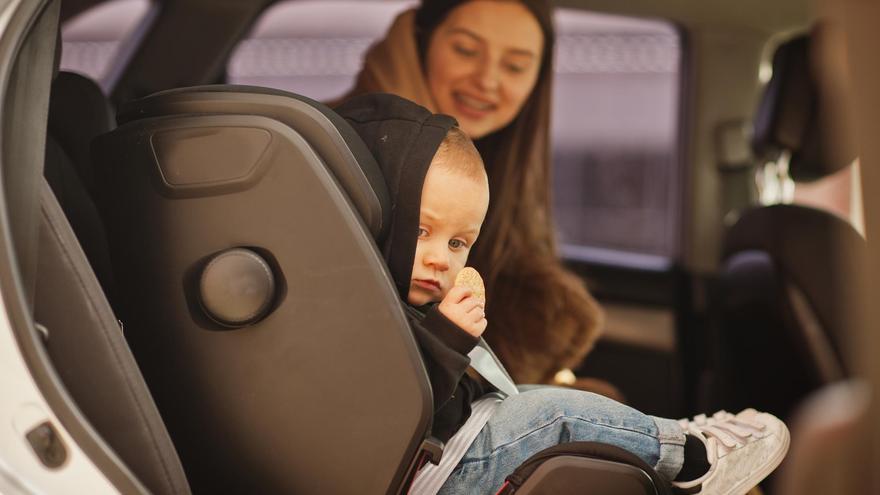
(787, 294)
(241, 224)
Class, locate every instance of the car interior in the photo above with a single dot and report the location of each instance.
(163, 182)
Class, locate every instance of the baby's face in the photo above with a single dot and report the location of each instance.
(452, 211)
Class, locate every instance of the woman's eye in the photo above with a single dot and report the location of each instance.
(516, 69)
(463, 50)
(422, 232)
(456, 243)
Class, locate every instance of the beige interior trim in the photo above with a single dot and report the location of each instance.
(652, 328)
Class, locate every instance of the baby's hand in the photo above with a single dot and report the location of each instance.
(462, 308)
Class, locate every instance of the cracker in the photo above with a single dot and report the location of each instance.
(470, 278)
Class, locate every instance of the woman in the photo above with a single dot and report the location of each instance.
(488, 63)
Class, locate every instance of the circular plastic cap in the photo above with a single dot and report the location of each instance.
(237, 287)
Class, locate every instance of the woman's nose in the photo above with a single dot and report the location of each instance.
(488, 76)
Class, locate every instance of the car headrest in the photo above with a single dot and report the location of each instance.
(789, 117)
(78, 112)
(346, 156)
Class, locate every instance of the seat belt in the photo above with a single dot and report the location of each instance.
(483, 361)
(487, 364)
(431, 477)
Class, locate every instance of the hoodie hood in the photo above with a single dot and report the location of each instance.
(403, 137)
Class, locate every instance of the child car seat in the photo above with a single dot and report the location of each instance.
(242, 225)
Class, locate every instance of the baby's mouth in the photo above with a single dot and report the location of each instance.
(427, 284)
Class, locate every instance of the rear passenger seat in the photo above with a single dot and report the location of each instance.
(85, 342)
(78, 112)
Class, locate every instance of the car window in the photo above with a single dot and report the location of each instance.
(615, 115)
(97, 42)
(617, 184)
(313, 48)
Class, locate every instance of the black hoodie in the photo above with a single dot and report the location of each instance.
(403, 137)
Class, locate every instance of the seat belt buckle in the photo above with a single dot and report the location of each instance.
(431, 450)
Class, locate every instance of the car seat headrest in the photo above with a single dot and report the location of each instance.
(78, 112)
(333, 139)
(789, 117)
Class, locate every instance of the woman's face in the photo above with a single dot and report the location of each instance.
(483, 62)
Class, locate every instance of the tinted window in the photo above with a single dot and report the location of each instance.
(97, 42)
(615, 137)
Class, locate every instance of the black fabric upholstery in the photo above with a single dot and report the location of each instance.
(87, 348)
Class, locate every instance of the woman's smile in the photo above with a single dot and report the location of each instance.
(472, 107)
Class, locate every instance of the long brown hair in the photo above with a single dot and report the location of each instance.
(541, 318)
(517, 156)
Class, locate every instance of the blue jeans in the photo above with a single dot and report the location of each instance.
(541, 417)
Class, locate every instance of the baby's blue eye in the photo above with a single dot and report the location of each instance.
(456, 243)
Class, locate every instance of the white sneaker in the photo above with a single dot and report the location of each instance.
(742, 450)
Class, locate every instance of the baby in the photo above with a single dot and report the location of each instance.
(455, 198)
(440, 195)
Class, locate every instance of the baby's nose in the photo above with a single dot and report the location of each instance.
(438, 260)
(441, 263)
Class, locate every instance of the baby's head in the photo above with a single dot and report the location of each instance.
(436, 187)
(455, 198)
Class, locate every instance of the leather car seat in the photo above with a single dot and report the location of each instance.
(82, 336)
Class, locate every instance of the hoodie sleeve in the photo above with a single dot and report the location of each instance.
(444, 348)
(448, 332)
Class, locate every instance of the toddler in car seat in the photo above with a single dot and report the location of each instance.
(440, 196)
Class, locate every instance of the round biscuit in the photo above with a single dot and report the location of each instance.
(470, 278)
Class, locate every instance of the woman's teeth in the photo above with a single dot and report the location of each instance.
(473, 103)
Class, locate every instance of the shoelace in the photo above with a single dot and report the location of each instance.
(723, 432)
